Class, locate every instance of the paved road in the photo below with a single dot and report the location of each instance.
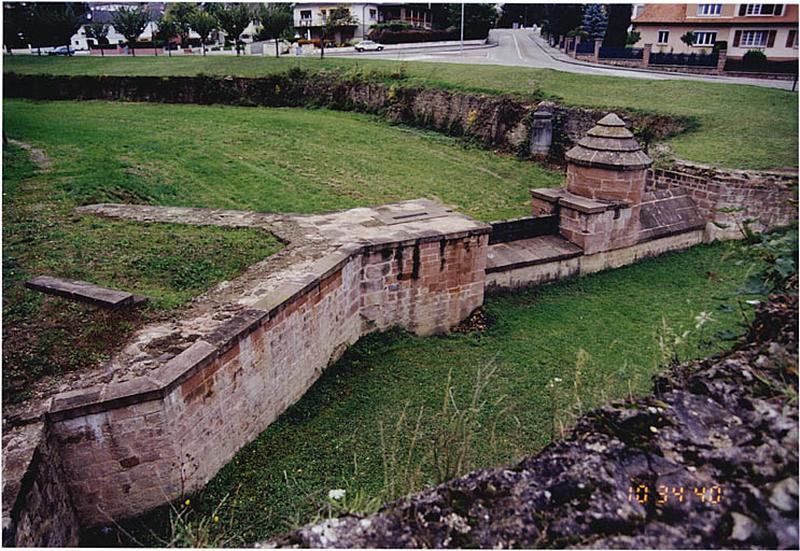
(523, 48)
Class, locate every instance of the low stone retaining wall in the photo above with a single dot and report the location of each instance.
(185, 395)
(502, 122)
(769, 199)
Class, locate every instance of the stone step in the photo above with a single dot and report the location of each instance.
(511, 255)
(83, 291)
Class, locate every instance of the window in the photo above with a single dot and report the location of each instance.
(305, 14)
(373, 14)
(753, 38)
(761, 9)
(709, 9)
(791, 40)
(663, 37)
(704, 38)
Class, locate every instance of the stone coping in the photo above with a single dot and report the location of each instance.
(562, 197)
(428, 222)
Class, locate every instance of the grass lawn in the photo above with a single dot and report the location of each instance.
(278, 160)
(558, 350)
(739, 126)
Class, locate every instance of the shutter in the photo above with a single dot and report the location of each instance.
(790, 38)
(737, 37)
(743, 9)
(771, 39)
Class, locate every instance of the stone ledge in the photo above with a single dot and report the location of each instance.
(562, 197)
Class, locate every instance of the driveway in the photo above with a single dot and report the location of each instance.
(524, 48)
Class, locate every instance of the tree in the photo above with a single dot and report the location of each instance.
(130, 23)
(17, 18)
(619, 20)
(633, 38)
(688, 38)
(98, 31)
(203, 23)
(167, 29)
(523, 14)
(595, 21)
(337, 19)
(179, 15)
(275, 19)
(561, 19)
(53, 24)
(234, 18)
(478, 19)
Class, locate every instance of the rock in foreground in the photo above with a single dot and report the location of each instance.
(709, 460)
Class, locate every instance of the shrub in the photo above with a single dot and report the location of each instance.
(754, 59)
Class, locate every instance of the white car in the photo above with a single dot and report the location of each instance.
(368, 46)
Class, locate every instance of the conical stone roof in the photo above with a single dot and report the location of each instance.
(609, 145)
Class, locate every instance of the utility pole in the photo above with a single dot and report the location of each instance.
(462, 28)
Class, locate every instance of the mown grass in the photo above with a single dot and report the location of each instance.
(277, 160)
(272, 160)
(739, 126)
(332, 437)
(42, 235)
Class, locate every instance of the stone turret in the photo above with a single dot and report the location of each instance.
(608, 164)
(606, 172)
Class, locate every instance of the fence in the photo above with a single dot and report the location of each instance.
(609, 52)
(585, 48)
(690, 60)
(780, 67)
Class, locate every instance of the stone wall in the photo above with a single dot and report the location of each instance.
(130, 446)
(494, 121)
(37, 507)
(767, 198)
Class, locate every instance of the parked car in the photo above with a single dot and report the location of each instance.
(368, 46)
(61, 50)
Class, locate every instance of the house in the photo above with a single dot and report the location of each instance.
(104, 13)
(309, 18)
(769, 28)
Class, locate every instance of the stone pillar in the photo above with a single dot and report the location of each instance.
(597, 43)
(722, 57)
(575, 49)
(542, 129)
(648, 48)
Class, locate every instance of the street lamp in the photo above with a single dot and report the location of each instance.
(462, 28)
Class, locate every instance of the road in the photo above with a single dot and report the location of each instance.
(523, 48)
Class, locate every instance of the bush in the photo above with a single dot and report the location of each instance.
(754, 59)
(409, 36)
(721, 45)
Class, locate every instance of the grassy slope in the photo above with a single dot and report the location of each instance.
(331, 437)
(739, 126)
(277, 160)
(43, 236)
(224, 157)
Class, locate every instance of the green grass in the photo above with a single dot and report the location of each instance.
(739, 126)
(331, 437)
(278, 160)
(272, 160)
(42, 235)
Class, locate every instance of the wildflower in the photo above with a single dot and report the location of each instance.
(336, 494)
(701, 319)
(187, 502)
(216, 518)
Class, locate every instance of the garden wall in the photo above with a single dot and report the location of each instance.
(502, 122)
(128, 447)
(769, 199)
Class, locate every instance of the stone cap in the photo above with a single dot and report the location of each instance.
(609, 145)
(579, 203)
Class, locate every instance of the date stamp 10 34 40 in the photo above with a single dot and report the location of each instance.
(661, 495)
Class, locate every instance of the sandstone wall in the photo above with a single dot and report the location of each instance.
(769, 199)
(37, 507)
(502, 122)
(132, 446)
